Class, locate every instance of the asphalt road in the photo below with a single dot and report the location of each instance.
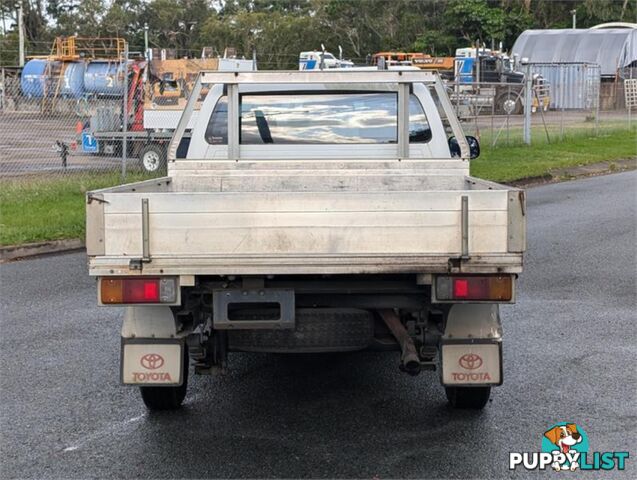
(569, 353)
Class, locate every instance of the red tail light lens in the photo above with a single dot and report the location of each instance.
(497, 288)
(119, 290)
(460, 288)
(141, 290)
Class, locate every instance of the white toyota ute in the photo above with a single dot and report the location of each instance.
(314, 212)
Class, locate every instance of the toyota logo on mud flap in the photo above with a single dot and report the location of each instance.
(152, 361)
(470, 361)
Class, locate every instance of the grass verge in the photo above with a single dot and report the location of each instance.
(36, 210)
(509, 163)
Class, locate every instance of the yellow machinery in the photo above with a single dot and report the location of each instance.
(172, 79)
(441, 64)
(166, 92)
(417, 59)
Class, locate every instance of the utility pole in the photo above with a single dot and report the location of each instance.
(146, 41)
(574, 13)
(322, 61)
(21, 35)
(125, 113)
(146, 54)
(528, 91)
(477, 67)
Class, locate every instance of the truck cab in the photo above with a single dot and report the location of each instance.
(491, 67)
(495, 69)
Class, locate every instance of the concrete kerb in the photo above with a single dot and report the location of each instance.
(16, 252)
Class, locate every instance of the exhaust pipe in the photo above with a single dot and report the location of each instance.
(409, 360)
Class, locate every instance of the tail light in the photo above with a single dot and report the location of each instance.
(496, 288)
(123, 290)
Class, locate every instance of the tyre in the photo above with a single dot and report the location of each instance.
(167, 398)
(474, 398)
(153, 158)
(508, 103)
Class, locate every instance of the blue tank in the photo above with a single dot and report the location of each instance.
(34, 78)
(104, 78)
(73, 82)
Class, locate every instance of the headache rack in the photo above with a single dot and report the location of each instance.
(402, 79)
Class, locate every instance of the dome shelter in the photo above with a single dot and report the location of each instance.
(612, 46)
(613, 49)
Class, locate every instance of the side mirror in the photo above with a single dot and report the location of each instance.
(474, 147)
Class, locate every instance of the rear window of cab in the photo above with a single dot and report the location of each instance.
(318, 118)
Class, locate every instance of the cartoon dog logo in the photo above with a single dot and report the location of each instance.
(564, 437)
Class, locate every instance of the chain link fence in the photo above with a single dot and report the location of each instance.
(44, 138)
(71, 133)
(49, 128)
(566, 100)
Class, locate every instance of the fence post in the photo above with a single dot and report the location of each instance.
(598, 100)
(630, 97)
(125, 113)
(2, 92)
(528, 85)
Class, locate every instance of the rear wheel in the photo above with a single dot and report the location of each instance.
(167, 398)
(153, 158)
(474, 398)
(508, 103)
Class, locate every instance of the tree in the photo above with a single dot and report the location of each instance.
(280, 29)
(176, 23)
(75, 17)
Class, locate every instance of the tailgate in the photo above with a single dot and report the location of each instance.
(306, 232)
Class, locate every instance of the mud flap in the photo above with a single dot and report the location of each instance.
(471, 347)
(152, 362)
(471, 364)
